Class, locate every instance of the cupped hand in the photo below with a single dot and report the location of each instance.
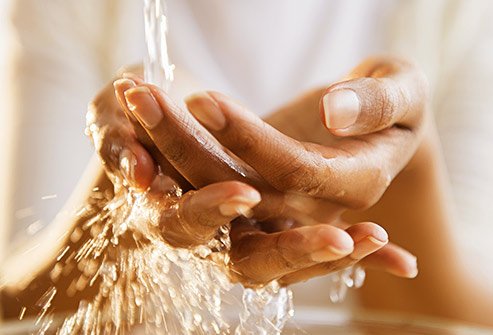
(376, 118)
(126, 151)
(191, 150)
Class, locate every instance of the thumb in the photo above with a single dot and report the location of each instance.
(383, 92)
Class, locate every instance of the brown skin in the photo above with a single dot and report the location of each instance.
(191, 150)
(315, 180)
(415, 210)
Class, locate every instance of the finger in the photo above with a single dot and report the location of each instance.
(200, 213)
(316, 170)
(393, 259)
(367, 238)
(122, 85)
(136, 166)
(139, 80)
(257, 257)
(121, 154)
(183, 142)
(127, 159)
(383, 92)
(191, 149)
(284, 162)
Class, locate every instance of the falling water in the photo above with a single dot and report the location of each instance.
(159, 71)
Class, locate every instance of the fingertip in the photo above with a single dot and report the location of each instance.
(340, 109)
(137, 166)
(323, 243)
(142, 103)
(242, 189)
(363, 230)
(338, 244)
(337, 238)
(408, 271)
(122, 84)
(206, 110)
(231, 198)
(409, 267)
(134, 77)
(394, 260)
(231, 107)
(368, 238)
(405, 263)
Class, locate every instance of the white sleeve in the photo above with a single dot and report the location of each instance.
(464, 112)
(63, 53)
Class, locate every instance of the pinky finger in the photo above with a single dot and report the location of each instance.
(393, 259)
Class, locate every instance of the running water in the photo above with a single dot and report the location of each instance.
(140, 283)
(145, 285)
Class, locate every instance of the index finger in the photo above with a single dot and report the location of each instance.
(192, 150)
(122, 85)
(184, 142)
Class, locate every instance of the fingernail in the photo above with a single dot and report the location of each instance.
(329, 253)
(367, 246)
(121, 85)
(142, 104)
(123, 82)
(239, 205)
(326, 244)
(412, 270)
(235, 209)
(341, 108)
(128, 161)
(206, 110)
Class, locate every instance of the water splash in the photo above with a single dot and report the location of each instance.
(266, 310)
(142, 282)
(341, 281)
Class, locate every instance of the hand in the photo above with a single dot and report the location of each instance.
(165, 136)
(376, 119)
(261, 257)
(125, 150)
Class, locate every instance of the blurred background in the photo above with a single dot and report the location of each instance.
(56, 55)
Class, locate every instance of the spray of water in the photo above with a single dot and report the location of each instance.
(143, 283)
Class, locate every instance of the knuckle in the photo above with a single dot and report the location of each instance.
(287, 263)
(377, 182)
(298, 176)
(176, 153)
(285, 257)
(337, 265)
(245, 141)
(290, 238)
(382, 108)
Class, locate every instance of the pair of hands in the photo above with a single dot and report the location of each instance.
(291, 176)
